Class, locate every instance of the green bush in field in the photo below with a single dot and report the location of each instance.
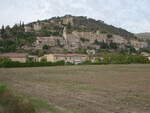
(13, 104)
(4, 60)
(2, 88)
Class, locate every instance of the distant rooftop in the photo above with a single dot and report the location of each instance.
(70, 55)
(13, 55)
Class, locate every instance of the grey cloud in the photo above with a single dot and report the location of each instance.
(133, 15)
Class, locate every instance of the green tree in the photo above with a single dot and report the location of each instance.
(104, 45)
(96, 42)
(43, 60)
(109, 35)
(46, 47)
(113, 45)
(2, 31)
(4, 60)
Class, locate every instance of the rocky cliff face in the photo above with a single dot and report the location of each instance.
(85, 40)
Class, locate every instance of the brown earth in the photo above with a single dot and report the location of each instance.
(83, 89)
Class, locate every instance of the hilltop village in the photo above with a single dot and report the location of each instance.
(69, 38)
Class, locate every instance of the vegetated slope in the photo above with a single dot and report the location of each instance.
(92, 24)
(67, 34)
(81, 23)
(144, 35)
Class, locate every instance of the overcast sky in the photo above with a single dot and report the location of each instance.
(133, 15)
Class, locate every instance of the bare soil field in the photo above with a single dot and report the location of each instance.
(83, 89)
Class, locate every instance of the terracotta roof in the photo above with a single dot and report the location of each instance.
(70, 55)
(13, 55)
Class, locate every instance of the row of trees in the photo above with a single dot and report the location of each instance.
(122, 59)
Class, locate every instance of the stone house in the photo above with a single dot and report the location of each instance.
(146, 55)
(28, 28)
(68, 20)
(71, 58)
(37, 26)
(32, 58)
(19, 57)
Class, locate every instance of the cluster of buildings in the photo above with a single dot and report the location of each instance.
(71, 58)
(68, 58)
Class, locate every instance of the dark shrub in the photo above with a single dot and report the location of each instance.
(13, 104)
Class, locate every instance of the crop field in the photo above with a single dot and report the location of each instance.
(83, 89)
